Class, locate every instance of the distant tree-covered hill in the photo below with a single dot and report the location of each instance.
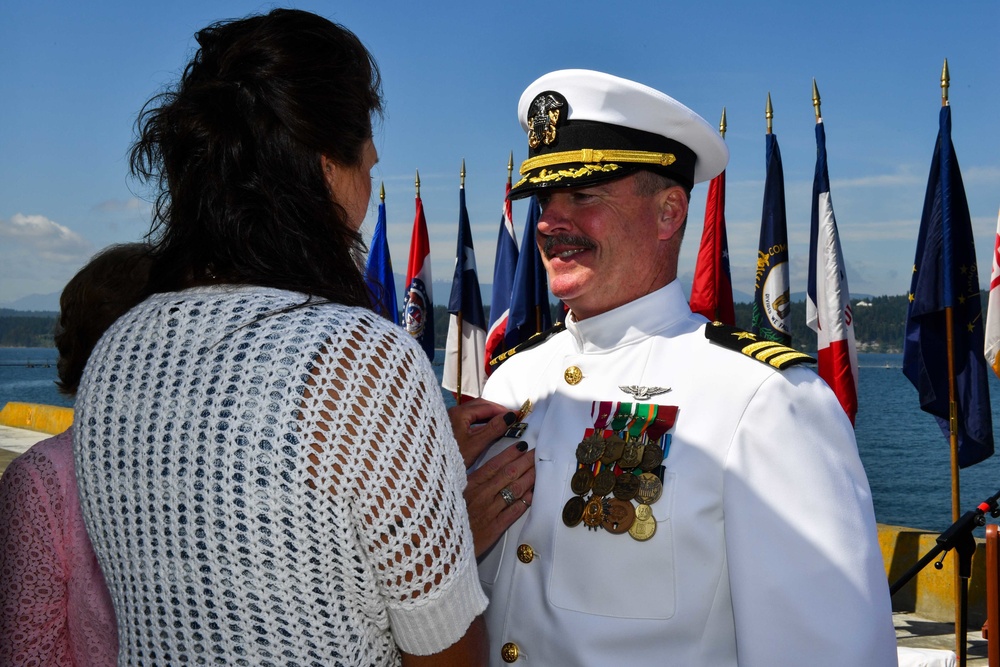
(879, 323)
(26, 328)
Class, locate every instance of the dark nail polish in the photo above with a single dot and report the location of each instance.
(510, 418)
(522, 446)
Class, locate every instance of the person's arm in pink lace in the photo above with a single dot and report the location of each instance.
(33, 590)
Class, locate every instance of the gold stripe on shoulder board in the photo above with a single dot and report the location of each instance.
(535, 339)
(765, 351)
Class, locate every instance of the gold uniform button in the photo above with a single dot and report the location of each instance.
(509, 652)
(525, 553)
(573, 375)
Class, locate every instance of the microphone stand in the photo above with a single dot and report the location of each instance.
(958, 537)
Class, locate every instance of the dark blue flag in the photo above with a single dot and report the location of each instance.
(772, 299)
(378, 272)
(504, 266)
(945, 275)
(465, 347)
(529, 302)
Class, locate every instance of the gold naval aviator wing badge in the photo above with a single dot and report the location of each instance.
(643, 393)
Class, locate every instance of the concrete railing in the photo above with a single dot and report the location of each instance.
(931, 593)
(50, 419)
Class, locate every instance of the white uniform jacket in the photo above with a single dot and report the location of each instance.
(765, 551)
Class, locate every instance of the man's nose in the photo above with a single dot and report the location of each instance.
(554, 216)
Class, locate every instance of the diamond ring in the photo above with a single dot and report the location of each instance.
(507, 495)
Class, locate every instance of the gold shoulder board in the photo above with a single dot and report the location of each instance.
(537, 339)
(765, 351)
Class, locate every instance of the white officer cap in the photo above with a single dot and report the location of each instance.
(585, 127)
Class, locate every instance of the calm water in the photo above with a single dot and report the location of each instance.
(902, 448)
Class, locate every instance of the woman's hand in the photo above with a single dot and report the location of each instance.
(510, 473)
(500, 490)
(477, 424)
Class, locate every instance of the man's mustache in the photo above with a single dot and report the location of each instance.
(550, 243)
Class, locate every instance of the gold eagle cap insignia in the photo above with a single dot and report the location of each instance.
(643, 393)
(545, 114)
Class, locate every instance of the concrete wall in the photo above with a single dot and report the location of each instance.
(36, 417)
(931, 593)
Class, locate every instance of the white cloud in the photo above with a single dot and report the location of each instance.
(38, 255)
(46, 237)
(133, 205)
(904, 179)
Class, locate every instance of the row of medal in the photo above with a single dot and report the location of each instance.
(620, 461)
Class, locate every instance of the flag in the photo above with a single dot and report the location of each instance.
(464, 361)
(992, 334)
(772, 303)
(529, 301)
(945, 276)
(712, 289)
(828, 299)
(378, 271)
(503, 282)
(418, 303)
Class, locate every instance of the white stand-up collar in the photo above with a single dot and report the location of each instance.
(652, 314)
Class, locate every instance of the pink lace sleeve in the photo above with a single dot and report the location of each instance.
(33, 594)
(54, 605)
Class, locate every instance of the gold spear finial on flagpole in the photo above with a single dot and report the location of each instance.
(416, 183)
(462, 185)
(816, 102)
(381, 192)
(510, 166)
(945, 82)
(722, 123)
(769, 112)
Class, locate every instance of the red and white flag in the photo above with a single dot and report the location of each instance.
(418, 302)
(828, 299)
(992, 333)
(712, 287)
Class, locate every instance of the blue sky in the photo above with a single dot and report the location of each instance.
(75, 75)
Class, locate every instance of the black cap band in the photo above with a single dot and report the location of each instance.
(584, 152)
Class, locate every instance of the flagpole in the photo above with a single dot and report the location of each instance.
(949, 332)
(458, 317)
(961, 590)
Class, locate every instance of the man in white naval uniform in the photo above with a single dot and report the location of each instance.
(759, 546)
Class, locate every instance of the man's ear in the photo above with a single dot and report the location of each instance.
(673, 210)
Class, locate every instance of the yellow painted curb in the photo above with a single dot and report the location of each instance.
(49, 419)
(931, 593)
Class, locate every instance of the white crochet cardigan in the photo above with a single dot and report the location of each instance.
(271, 485)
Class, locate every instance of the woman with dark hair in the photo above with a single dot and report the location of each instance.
(54, 605)
(267, 469)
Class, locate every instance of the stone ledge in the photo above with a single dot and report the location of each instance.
(49, 419)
